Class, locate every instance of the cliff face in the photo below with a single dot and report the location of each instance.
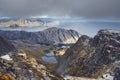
(48, 36)
(92, 57)
(5, 46)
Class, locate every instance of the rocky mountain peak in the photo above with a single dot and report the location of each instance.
(107, 43)
(82, 39)
(52, 28)
(92, 57)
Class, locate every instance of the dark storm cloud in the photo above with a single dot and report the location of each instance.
(74, 8)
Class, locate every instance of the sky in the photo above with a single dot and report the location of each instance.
(88, 9)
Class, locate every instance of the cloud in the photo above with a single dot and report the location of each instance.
(91, 9)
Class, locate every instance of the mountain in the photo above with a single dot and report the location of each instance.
(5, 46)
(92, 57)
(21, 23)
(49, 36)
(27, 22)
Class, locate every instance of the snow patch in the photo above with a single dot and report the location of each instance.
(107, 76)
(6, 57)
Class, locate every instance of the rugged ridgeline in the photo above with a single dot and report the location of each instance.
(17, 65)
(5, 46)
(92, 57)
(49, 36)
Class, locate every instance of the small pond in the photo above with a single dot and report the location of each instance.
(50, 57)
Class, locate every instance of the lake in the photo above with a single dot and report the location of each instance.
(49, 57)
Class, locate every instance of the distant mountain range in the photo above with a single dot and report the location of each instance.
(29, 22)
(48, 36)
(85, 27)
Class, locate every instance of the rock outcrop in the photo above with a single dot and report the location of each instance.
(49, 36)
(92, 57)
(25, 67)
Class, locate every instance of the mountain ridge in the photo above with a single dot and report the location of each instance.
(49, 36)
(92, 57)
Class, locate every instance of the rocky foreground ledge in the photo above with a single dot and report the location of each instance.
(20, 66)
